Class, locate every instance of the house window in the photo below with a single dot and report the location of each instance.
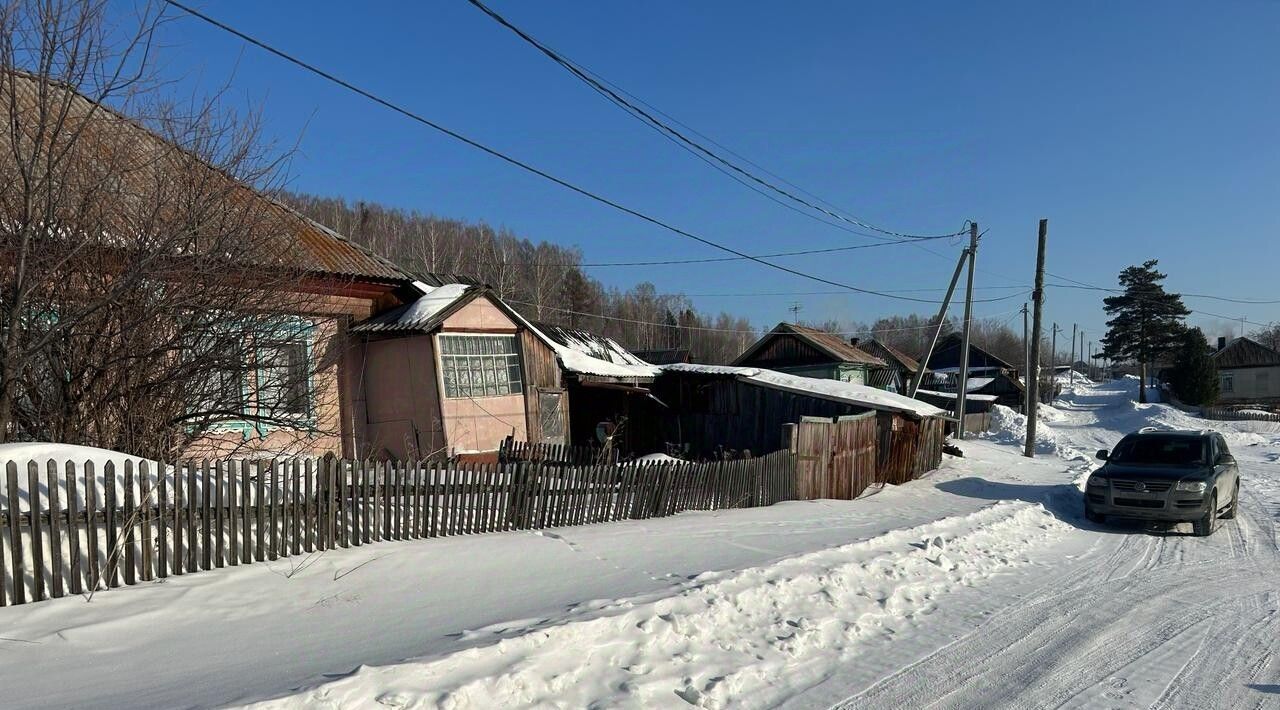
(223, 393)
(1228, 382)
(283, 383)
(480, 366)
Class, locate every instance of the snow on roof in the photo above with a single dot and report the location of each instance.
(585, 353)
(977, 383)
(420, 314)
(956, 370)
(847, 392)
(952, 395)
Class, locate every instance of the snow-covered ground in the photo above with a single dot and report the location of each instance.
(979, 586)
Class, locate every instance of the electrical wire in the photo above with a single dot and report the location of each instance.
(975, 318)
(606, 89)
(519, 163)
(1080, 285)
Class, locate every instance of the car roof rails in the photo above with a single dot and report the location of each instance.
(1148, 429)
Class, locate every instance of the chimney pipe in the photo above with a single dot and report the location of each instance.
(1222, 342)
(854, 341)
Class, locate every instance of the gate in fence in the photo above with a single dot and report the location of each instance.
(72, 528)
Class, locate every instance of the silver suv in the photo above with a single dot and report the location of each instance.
(1173, 476)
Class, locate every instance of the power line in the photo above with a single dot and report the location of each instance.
(1227, 299)
(1080, 285)
(736, 330)
(519, 163)
(1023, 292)
(606, 89)
(835, 293)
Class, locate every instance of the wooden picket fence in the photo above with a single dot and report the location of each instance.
(85, 530)
(1236, 415)
(511, 451)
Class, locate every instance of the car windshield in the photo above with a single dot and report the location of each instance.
(1160, 450)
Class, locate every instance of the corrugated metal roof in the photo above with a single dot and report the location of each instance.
(108, 137)
(425, 313)
(590, 344)
(884, 351)
(1243, 352)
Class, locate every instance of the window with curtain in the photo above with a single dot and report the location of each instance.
(480, 366)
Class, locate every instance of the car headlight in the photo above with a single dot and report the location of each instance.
(1192, 486)
(1097, 481)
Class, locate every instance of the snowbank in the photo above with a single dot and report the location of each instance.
(1010, 427)
(44, 451)
(658, 458)
(744, 639)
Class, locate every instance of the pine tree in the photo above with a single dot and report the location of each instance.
(1195, 375)
(1146, 321)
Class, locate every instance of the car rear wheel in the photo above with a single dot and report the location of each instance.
(1235, 503)
(1205, 526)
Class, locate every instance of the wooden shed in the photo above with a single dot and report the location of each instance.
(717, 411)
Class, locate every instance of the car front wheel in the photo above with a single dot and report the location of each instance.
(1235, 503)
(1206, 525)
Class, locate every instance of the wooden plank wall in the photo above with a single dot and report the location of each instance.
(840, 458)
(86, 529)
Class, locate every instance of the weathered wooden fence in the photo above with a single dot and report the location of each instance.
(1218, 413)
(1236, 415)
(68, 528)
(511, 451)
(840, 458)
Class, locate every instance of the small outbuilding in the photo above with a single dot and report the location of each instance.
(804, 351)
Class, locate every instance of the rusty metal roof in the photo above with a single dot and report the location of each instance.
(108, 136)
(833, 345)
(885, 351)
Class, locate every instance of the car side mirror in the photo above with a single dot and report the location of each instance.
(1225, 460)
(1103, 454)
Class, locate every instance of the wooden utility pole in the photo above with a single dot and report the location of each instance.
(1033, 378)
(1026, 359)
(937, 331)
(1071, 364)
(1082, 357)
(1053, 359)
(968, 324)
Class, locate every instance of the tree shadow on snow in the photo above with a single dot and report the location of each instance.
(1266, 689)
(1063, 500)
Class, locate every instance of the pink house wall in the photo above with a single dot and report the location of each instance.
(481, 423)
(400, 399)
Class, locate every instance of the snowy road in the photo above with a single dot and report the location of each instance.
(1147, 618)
(980, 586)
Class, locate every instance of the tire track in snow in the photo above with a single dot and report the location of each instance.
(1201, 614)
(1064, 644)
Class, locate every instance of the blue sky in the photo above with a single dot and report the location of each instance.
(1140, 130)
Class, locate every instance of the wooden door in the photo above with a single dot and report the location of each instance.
(550, 416)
